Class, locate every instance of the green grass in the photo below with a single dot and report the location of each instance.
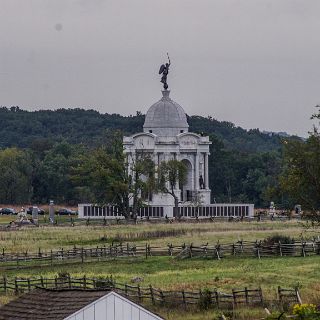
(54, 237)
(169, 273)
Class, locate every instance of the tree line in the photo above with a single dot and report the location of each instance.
(61, 162)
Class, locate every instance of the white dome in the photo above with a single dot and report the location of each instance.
(166, 117)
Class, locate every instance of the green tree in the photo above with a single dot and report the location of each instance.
(113, 181)
(171, 174)
(242, 176)
(16, 176)
(53, 177)
(301, 176)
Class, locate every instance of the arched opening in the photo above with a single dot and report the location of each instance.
(186, 188)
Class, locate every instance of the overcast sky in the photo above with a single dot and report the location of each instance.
(255, 63)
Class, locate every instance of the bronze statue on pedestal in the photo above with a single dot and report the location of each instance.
(164, 70)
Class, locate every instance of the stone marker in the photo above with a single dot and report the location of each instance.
(51, 211)
(35, 213)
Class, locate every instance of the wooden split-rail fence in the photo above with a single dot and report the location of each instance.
(218, 251)
(213, 297)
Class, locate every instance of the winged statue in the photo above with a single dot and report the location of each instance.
(164, 70)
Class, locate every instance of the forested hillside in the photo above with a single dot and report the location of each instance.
(244, 164)
(21, 128)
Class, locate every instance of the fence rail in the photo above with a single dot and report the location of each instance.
(155, 295)
(257, 249)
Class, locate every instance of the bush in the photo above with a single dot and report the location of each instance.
(205, 301)
(278, 238)
(103, 283)
(63, 275)
(306, 311)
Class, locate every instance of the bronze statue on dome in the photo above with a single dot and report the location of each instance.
(164, 70)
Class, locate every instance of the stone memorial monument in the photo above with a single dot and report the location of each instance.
(166, 136)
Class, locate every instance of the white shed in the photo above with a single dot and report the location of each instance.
(74, 304)
(113, 306)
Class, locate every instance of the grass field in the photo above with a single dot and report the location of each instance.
(170, 273)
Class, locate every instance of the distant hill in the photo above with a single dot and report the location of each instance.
(21, 128)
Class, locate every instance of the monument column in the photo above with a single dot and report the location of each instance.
(156, 163)
(133, 161)
(177, 157)
(196, 165)
(206, 166)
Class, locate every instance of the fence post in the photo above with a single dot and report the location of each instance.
(280, 249)
(82, 255)
(234, 297)
(298, 295)
(216, 297)
(162, 297)
(217, 248)
(146, 251)
(318, 247)
(280, 294)
(246, 295)
(69, 280)
(84, 281)
(16, 289)
(303, 249)
(151, 293)
(139, 293)
(190, 251)
(261, 296)
(51, 256)
(29, 285)
(5, 284)
(56, 282)
(41, 281)
(258, 249)
(184, 299)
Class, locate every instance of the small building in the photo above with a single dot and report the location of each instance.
(65, 304)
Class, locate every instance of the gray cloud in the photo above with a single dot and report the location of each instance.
(254, 63)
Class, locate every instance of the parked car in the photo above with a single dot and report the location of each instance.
(30, 209)
(65, 212)
(7, 211)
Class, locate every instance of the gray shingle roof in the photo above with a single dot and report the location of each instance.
(41, 304)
